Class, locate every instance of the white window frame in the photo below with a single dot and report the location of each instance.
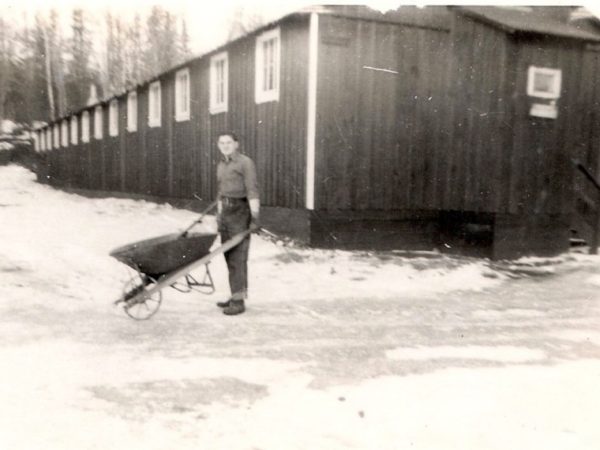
(64, 133)
(49, 138)
(74, 130)
(219, 85)
(533, 90)
(113, 118)
(182, 95)
(154, 104)
(264, 93)
(98, 122)
(132, 111)
(56, 136)
(85, 126)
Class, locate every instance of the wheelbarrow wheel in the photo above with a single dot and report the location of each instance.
(139, 305)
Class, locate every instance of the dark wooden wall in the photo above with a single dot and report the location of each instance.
(409, 117)
(178, 159)
(380, 132)
(543, 175)
(476, 164)
(445, 125)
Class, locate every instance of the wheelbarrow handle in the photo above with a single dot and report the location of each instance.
(199, 219)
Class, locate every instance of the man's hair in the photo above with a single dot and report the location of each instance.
(231, 134)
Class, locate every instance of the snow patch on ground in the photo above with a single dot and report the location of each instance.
(582, 336)
(76, 235)
(495, 353)
(337, 350)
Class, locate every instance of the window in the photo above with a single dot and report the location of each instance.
(74, 130)
(49, 138)
(113, 118)
(182, 95)
(64, 133)
(544, 82)
(267, 66)
(98, 122)
(85, 127)
(36, 140)
(132, 111)
(42, 140)
(56, 135)
(154, 105)
(219, 78)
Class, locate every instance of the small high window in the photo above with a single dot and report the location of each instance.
(182, 95)
(268, 52)
(49, 138)
(85, 126)
(113, 118)
(132, 112)
(56, 135)
(219, 68)
(154, 105)
(64, 133)
(544, 82)
(74, 130)
(98, 122)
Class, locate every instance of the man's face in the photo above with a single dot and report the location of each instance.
(227, 145)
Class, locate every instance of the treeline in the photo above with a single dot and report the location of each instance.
(46, 72)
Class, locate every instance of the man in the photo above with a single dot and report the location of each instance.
(237, 210)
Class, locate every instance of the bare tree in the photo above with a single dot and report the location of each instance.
(244, 21)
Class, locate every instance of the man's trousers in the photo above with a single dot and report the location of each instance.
(235, 218)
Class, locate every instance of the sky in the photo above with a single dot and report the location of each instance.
(208, 25)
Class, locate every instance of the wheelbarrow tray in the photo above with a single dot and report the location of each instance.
(162, 255)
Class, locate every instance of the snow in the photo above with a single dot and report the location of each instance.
(337, 350)
(498, 353)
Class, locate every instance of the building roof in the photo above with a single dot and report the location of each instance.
(545, 20)
(427, 16)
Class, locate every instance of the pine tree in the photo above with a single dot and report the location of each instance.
(162, 47)
(5, 66)
(133, 53)
(57, 65)
(80, 75)
(21, 82)
(39, 101)
(184, 42)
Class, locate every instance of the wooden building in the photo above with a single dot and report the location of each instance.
(447, 127)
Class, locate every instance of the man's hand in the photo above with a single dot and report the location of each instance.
(254, 224)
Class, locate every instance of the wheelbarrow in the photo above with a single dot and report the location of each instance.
(162, 261)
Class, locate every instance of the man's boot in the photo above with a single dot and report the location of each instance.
(224, 304)
(235, 307)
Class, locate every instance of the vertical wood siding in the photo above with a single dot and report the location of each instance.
(408, 117)
(544, 147)
(96, 160)
(588, 147)
(272, 133)
(381, 116)
(479, 152)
